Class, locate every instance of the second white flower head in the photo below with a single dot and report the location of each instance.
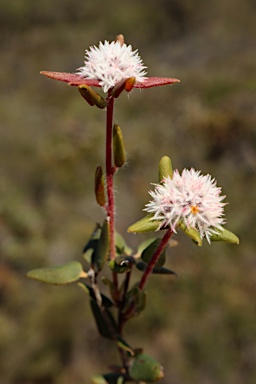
(190, 197)
(112, 62)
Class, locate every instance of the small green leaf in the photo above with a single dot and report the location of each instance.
(125, 346)
(118, 147)
(146, 224)
(145, 368)
(165, 168)
(92, 243)
(192, 233)
(99, 187)
(156, 270)
(121, 246)
(92, 97)
(105, 322)
(148, 252)
(101, 251)
(59, 275)
(225, 235)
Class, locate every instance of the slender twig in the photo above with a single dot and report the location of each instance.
(155, 258)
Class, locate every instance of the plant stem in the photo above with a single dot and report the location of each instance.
(110, 170)
(109, 174)
(155, 258)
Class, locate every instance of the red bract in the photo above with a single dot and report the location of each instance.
(76, 80)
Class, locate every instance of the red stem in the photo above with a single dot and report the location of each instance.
(155, 258)
(110, 174)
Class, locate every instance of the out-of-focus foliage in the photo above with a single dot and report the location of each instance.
(200, 326)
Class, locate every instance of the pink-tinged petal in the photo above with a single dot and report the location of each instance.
(71, 78)
(155, 82)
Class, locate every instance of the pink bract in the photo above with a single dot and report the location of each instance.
(76, 80)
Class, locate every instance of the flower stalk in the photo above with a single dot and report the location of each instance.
(110, 174)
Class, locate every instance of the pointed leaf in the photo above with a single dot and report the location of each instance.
(145, 225)
(99, 187)
(59, 275)
(125, 346)
(118, 147)
(104, 320)
(71, 78)
(155, 81)
(225, 235)
(101, 252)
(147, 254)
(121, 246)
(156, 270)
(92, 243)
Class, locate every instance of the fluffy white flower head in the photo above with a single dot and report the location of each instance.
(112, 62)
(191, 198)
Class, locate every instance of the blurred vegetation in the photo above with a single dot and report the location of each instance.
(201, 325)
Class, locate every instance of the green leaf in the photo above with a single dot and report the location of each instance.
(145, 368)
(165, 168)
(121, 246)
(125, 346)
(192, 233)
(148, 252)
(157, 270)
(99, 187)
(105, 322)
(92, 97)
(118, 147)
(106, 302)
(101, 251)
(225, 235)
(146, 224)
(92, 243)
(59, 275)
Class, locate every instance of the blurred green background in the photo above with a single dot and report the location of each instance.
(202, 325)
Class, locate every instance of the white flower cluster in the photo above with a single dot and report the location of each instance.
(191, 198)
(112, 62)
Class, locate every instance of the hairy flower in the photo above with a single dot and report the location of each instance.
(108, 64)
(191, 198)
(112, 62)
